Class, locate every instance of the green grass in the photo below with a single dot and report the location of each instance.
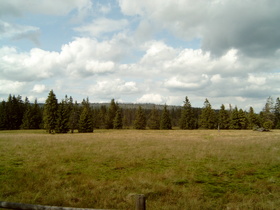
(200, 169)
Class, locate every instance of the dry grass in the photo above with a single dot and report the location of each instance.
(200, 169)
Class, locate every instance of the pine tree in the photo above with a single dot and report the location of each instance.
(224, 118)
(74, 116)
(118, 120)
(3, 118)
(277, 114)
(102, 116)
(165, 122)
(187, 120)
(235, 122)
(27, 117)
(85, 122)
(62, 121)
(154, 119)
(140, 119)
(50, 112)
(268, 113)
(252, 119)
(14, 111)
(207, 117)
(111, 115)
(243, 121)
(125, 122)
(37, 118)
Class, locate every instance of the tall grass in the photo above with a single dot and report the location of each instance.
(176, 169)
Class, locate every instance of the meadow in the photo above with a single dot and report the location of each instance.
(175, 169)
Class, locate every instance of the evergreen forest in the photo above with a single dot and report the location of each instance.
(69, 116)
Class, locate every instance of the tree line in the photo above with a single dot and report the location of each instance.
(67, 116)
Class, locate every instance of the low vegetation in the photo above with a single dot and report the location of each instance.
(175, 169)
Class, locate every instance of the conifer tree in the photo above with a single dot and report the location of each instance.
(207, 117)
(252, 119)
(165, 122)
(140, 119)
(50, 112)
(3, 119)
(85, 122)
(243, 121)
(37, 118)
(224, 118)
(27, 117)
(154, 119)
(118, 124)
(268, 113)
(277, 113)
(62, 121)
(235, 122)
(187, 120)
(125, 122)
(111, 115)
(102, 116)
(74, 116)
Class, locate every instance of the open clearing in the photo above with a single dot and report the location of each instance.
(175, 169)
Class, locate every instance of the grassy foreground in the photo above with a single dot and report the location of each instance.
(199, 169)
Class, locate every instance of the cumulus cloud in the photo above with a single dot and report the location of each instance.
(116, 88)
(50, 7)
(249, 26)
(15, 32)
(39, 88)
(152, 98)
(83, 57)
(102, 26)
(11, 87)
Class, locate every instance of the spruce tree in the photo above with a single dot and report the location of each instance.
(140, 119)
(207, 117)
(224, 118)
(235, 121)
(62, 121)
(243, 121)
(111, 115)
(252, 119)
(268, 113)
(74, 116)
(277, 114)
(165, 122)
(102, 116)
(85, 122)
(118, 124)
(187, 120)
(3, 118)
(27, 117)
(50, 112)
(154, 119)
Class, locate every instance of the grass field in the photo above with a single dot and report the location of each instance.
(175, 169)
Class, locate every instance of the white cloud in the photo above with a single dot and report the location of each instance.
(11, 87)
(15, 31)
(188, 83)
(152, 98)
(39, 88)
(113, 88)
(249, 26)
(50, 7)
(102, 26)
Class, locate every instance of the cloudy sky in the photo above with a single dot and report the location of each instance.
(142, 51)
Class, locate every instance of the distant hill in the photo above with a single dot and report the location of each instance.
(135, 106)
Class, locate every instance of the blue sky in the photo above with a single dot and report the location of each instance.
(142, 51)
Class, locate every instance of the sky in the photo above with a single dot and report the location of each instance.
(227, 51)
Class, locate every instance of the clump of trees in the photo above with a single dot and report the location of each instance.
(67, 116)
